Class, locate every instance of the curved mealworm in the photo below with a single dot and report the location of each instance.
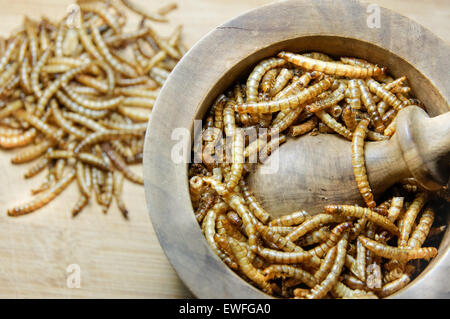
(120, 164)
(40, 125)
(289, 102)
(289, 271)
(37, 168)
(281, 80)
(321, 289)
(268, 80)
(247, 268)
(18, 140)
(63, 123)
(32, 152)
(34, 77)
(105, 135)
(10, 108)
(206, 201)
(326, 264)
(409, 218)
(224, 245)
(333, 124)
(229, 124)
(331, 68)
(93, 160)
(398, 253)
(118, 66)
(395, 209)
(134, 114)
(313, 223)
(335, 97)
(43, 199)
(332, 240)
(394, 286)
(79, 205)
(363, 212)
(253, 204)
(256, 75)
(83, 120)
(422, 229)
(358, 162)
(291, 219)
(384, 94)
(370, 105)
(55, 85)
(93, 104)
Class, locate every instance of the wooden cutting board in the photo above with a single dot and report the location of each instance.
(115, 258)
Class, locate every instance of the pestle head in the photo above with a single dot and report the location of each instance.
(309, 172)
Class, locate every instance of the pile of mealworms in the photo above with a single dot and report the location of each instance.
(78, 94)
(345, 252)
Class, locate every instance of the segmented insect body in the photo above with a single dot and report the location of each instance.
(361, 260)
(240, 252)
(401, 254)
(331, 68)
(289, 271)
(18, 140)
(312, 238)
(313, 223)
(363, 212)
(333, 124)
(320, 290)
(253, 204)
(105, 135)
(79, 205)
(120, 164)
(371, 107)
(282, 79)
(395, 209)
(384, 94)
(359, 166)
(354, 94)
(420, 233)
(283, 104)
(205, 202)
(326, 264)
(255, 77)
(394, 286)
(291, 219)
(268, 80)
(335, 236)
(328, 101)
(305, 127)
(45, 198)
(32, 152)
(410, 217)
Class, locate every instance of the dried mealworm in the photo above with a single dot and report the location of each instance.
(409, 218)
(103, 136)
(247, 268)
(363, 212)
(313, 223)
(120, 164)
(401, 254)
(253, 204)
(334, 125)
(268, 80)
(43, 199)
(370, 105)
(359, 166)
(335, 236)
(289, 271)
(422, 229)
(326, 264)
(281, 80)
(289, 102)
(321, 289)
(394, 286)
(291, 219)
(79, 205)
(331, 68)
(305, 127)
(384, 94)
(18, 140)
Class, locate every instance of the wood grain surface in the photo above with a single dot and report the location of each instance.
(117, 258)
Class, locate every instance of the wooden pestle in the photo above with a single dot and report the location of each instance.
(314, 171)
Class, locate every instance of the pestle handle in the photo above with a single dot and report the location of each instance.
(425, 145)
(313, 171)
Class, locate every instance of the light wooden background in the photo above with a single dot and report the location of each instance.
(118, 258)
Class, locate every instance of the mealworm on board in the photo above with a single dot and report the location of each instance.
(358, 163)
(331, 68)
(120, 164)
(43, 199)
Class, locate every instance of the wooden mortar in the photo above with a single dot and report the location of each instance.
(229, 52)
